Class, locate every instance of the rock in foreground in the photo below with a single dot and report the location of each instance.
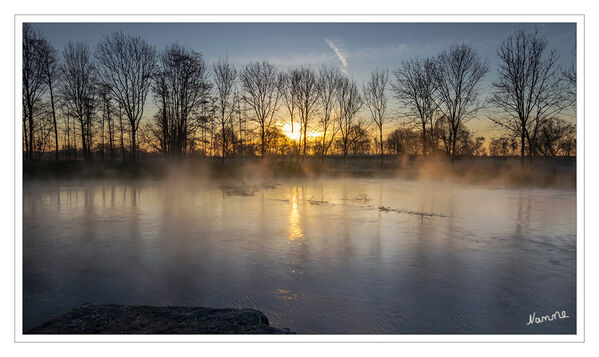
(121, 319)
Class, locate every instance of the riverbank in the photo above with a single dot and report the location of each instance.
(122, 319)
(558, 172)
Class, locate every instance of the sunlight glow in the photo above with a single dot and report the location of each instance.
(294, 229)
(295, 134)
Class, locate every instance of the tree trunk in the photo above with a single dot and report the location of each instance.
(103, 125)
(305, 139)
(54, 118)
(381, 139)
(75, 138)
(30, 151)
(240, 137)
(262, 143)
(68, 137)
(25, 136)
(122, 139)
(224, 137)
(522, 141)
(453, 143)
(83, 146)
(423, 139)
(133, 143)
(324, 143)
(111, 135)
(88, 132)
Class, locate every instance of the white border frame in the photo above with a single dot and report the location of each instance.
(580, 246)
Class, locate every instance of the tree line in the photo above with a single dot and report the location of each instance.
(79, 103)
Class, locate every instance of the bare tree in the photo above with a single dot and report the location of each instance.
(91, 107)
(66, 129)
(375, 100)
(416, 89)
(77, 89)
(403, 141)
(350, 102)
(102, 123)
(357, 142)
(181, 86)
(555, 135)
(70, 121)
(160, 128)
(238, 112)
(107, 119)
(126, 66)
(328, 86)
(570, 78)
(289, 88)
(529, 88)
(499, 146)
(43, 131)
(307, 98)
(209, 110)
(261, 92)
(458, 74)
(49, 68)
(224, 82)
(34, 84)
(122, 133)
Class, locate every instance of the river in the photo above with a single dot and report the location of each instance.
(316, 256)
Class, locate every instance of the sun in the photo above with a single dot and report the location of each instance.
(292, 133)
(296, 133)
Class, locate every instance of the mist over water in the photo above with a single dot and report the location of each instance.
(343, 255)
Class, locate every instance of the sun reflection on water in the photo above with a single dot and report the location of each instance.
(294, 230)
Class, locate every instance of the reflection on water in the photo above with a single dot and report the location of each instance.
(314, 256)
(295, 229)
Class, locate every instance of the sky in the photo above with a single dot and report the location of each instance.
(356, 48)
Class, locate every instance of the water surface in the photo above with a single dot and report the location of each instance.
(315, 256)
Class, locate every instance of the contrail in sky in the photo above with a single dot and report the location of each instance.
(338, 52)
